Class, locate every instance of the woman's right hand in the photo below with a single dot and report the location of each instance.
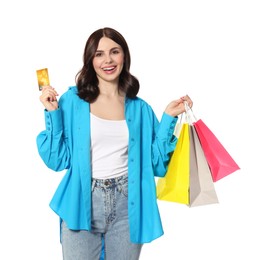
(49, 98)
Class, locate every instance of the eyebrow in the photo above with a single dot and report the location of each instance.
(119, 48)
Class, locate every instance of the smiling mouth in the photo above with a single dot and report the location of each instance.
(109, 68)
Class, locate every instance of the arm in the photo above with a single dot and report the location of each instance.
(164, 141)
(52, 143)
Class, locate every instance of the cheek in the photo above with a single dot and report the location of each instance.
(96, 64)
(121, 60)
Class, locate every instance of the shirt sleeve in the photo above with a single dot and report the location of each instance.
(164, 143)
(52, 144)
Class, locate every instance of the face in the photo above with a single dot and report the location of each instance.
(108, 61)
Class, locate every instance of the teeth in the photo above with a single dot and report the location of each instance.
(108, 68)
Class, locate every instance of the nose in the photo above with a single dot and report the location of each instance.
(108, 58)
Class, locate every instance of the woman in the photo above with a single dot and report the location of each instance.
(112, 145)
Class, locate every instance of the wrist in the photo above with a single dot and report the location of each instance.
(170, 112)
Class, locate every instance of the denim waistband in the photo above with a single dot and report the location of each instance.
(110, 183)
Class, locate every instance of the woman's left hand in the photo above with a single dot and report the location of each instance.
(176, 107)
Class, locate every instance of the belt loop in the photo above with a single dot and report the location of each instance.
(93, 184)
(119, 187)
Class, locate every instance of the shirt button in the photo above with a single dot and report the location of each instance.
(132, 160)
(132, 203)
(132, 139)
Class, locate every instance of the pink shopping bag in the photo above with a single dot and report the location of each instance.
(220, 161)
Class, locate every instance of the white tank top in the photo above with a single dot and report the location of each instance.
(109, 147)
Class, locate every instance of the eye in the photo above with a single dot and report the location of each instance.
(98, 54)
(115, 51)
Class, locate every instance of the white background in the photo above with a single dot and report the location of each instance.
(202, 48)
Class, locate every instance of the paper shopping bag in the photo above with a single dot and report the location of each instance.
(201, 190)
(220, 161)
(174, 186)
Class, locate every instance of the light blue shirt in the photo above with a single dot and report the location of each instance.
(65, 144)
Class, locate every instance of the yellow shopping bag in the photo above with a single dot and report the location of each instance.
(174, 186)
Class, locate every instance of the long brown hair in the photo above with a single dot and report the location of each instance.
(86, 79)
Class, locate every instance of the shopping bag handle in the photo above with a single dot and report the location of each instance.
(190, 116)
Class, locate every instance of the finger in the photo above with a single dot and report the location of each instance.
(44, 88)
(49, 88)
(46, 97)
(51, 93)
(188, 100)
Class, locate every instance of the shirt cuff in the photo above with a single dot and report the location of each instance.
(53, 120)
(167, 125)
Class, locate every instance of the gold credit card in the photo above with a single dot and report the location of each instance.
(43, 78)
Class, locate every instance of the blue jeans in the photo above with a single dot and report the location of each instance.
(109, 222)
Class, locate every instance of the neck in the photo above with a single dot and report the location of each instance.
(109, 90)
